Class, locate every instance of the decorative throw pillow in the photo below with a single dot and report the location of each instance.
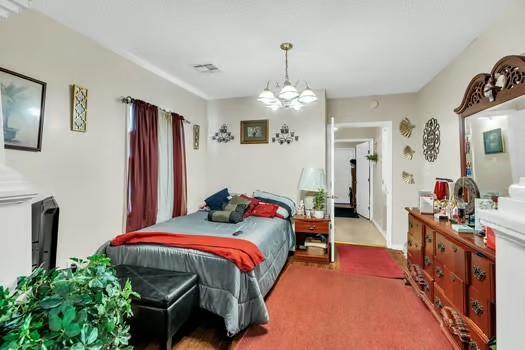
(253, 203)
(218, 200)
(228, 216)
(273, 198)
(265, 210)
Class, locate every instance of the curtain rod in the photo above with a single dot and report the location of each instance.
(129, 99)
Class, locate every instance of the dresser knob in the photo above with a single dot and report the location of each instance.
(438, 303)
(477, 307)
(311, 228)
(439, 272)
(455, 249)
(479, 273)
(441, 247)
(428, 261)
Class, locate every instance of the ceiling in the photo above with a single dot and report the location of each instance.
(348, 47)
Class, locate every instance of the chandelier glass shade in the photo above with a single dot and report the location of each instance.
(287, 96)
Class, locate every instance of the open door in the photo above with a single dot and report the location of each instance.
(363, 179)
(331, 196)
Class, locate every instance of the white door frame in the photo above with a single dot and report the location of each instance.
(372, 149)
(387, 158)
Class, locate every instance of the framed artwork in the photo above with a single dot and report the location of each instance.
(79, 109)
(196, 136)
(23, 100)
(254, 131)
(493, 141)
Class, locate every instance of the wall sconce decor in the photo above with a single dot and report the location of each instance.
(285, 136)
(408, 153)
(406, 127)
(408, 178)
(431, 140)
(223, 135)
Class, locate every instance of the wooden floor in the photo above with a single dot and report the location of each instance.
(206, 331)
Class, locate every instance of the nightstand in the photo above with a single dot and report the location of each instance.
(305, 227)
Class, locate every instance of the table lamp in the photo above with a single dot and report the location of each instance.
(312, 180)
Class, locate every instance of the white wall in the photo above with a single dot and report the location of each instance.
(445, 92)
(391, 108)
(85, 172)
(269, 167)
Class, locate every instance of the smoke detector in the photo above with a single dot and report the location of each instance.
(206, 68)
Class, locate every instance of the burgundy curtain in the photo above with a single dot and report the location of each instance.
(143, 167)
(179, 167)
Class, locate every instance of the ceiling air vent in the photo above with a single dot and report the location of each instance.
(206, 68)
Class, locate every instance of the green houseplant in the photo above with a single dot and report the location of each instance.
(84, 308)
(319, 204)
(372, 157)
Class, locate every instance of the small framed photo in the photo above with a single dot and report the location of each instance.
(254, 131)
(493, 141)
(196, 136)
(23, 100)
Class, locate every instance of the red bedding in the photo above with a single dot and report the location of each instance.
(242, 253)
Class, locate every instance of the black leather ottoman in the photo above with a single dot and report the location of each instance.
(167, 299)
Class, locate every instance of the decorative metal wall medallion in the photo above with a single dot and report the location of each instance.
(408, 153)
(79, 109)
(408, 178)
(431, 140)
(196, 136)
(406, 127)
(285, 136)
(223, 135)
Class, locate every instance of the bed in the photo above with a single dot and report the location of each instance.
(236, 296)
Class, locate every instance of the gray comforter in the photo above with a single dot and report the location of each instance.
(236, 296)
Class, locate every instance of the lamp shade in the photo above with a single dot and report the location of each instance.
(312, 179)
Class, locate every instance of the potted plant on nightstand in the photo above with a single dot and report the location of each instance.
(319, 203)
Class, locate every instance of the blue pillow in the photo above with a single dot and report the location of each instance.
(218, 200)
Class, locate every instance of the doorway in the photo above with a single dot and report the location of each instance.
(370, 183)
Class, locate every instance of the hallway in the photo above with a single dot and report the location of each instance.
(358, 231)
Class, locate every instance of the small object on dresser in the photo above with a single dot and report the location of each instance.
(426, 202)
(462, 228)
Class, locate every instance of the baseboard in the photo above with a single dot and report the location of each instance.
(379, 228)
(400, 247)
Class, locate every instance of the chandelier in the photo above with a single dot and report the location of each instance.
(288, 96)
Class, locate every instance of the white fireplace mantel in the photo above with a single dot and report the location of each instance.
(15, 225)
(508, 223)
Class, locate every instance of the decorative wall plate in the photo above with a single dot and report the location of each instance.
(406, 127)
(408, 153)
(431, 140)
(408, 178)
(466, 191)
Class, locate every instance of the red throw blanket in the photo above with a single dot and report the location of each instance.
(242, 253)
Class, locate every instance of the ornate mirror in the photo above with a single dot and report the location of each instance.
(492, 127)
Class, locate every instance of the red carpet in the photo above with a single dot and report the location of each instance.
(313, 308)
(368, 261)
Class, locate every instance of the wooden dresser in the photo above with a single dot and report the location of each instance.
(454, 274)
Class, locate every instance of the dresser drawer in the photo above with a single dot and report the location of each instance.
(428, 264)
(414, 250)
(453, 286)
(480, 311)
(482, 276)
(429, 241)
(415, 226)
(428, 286)
(478, 340)
(305, 226)
(452, 256)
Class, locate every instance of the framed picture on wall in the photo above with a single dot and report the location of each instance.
(23, 100)
(254, 131)
(493, 141)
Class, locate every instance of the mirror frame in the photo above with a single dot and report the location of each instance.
(505, 82)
